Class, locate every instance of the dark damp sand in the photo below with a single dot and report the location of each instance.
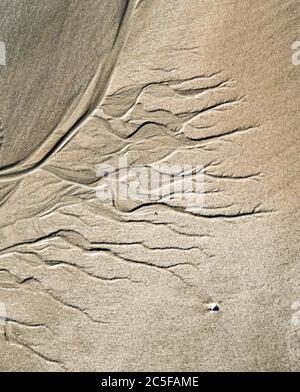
(53, 50)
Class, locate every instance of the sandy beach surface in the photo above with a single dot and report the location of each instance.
(156, 282)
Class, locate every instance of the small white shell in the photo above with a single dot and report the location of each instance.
(214, 307)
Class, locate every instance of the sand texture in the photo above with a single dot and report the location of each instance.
(127, 284)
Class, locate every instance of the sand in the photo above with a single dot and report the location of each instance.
(128, 284)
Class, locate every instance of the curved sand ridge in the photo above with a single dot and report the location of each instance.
(24, 150)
